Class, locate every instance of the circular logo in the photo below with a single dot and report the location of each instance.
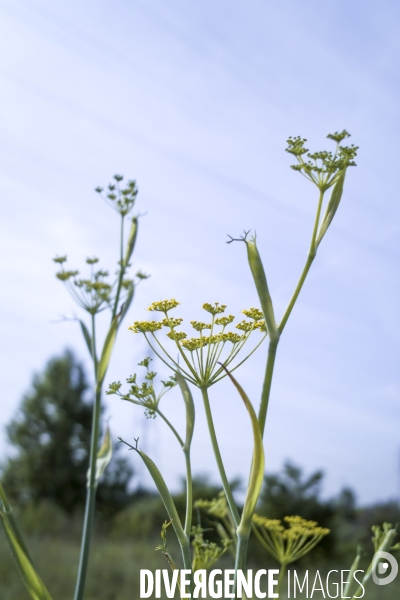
(380, 566)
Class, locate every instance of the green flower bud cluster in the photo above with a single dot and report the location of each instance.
(217, 507)
(380, 534)
(323, 168)
(94, 293)
(141, 275)
(122, 199)
(143, 394)
(205, 553)
(201, 355)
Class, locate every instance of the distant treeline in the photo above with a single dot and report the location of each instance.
(47, 476)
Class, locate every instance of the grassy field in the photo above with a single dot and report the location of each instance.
(114, 570)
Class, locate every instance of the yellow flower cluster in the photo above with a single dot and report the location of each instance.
(164, 305)
(288, 544)
(176, 335)
(171, 322)
(199, 326)
(270, 524)
(197, 343)
(245, 326)
(299, 526)
(193, 344)
(217, 507)
(145, 326)
(224, 321)
(201, 367)
(214, 309)
(253, 313)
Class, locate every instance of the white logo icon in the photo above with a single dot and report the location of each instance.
(380, 568)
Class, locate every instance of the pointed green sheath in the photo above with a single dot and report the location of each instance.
(260, 280)
(165, 496)
(189, 404)
(257, 465)
(104, 456)
(130, 246)
(86, 335)
(32, 581)
(331, 207)
(128, 302)
(107, 350)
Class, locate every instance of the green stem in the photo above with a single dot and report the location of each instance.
(86, 540)
(121, 272)
(4, 499)
(311, 255)
(241, 553)
(218, 458)
(172, 428)
(266, 390)
(282, 573)
(310, 258)
(186, 554)
(90, 502)
(316, 222)
(189, 483)
(189, 493)
(92, 484)
(94, 355)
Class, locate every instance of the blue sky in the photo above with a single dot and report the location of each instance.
(196, 101)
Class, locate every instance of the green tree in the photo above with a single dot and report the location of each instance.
(292, 493)
(51, 433)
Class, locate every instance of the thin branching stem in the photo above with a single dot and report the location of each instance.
(121, 270)
(309, 261)
(218, 458)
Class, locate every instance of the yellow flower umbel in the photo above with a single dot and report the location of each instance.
(287, 544)
(213, 344)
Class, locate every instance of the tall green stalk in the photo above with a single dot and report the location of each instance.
(92, 483)
(218, 458)
(94, 295)
(330, 174)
